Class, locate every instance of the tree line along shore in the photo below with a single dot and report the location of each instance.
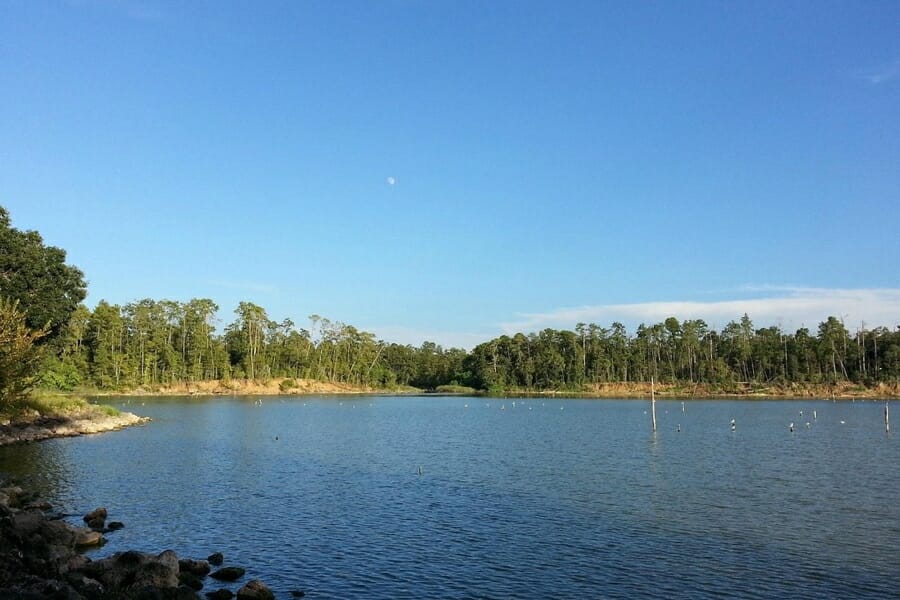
(50, 340)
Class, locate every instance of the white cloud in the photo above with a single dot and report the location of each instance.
(882, 73)
(791, 307)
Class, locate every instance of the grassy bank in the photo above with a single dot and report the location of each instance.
(44, 404)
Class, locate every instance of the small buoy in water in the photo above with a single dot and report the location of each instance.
(733, 425)
(465, 406)
(678, 428)
(276, 438)
(842, 422)
(807, 425)
(682, 407)
(814, 416)
(421, 470)
(791, 427)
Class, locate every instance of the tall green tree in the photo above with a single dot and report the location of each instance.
(36, 276)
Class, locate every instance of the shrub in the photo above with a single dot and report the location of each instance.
(20, 358)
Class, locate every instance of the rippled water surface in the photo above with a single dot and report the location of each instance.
(525, 498)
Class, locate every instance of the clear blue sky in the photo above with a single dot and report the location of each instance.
(551, 161)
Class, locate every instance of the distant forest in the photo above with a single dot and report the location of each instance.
(50, 339)
(150, 342)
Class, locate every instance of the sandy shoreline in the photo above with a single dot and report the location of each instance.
(245, 387)
(275, 387)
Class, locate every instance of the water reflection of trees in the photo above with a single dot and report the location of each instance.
(44, 468)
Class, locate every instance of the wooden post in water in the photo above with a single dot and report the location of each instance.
(653, 404)
(887, 418)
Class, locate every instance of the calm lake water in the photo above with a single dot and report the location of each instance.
(524, 498)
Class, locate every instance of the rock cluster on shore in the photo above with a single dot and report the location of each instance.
(40, 558)
(46, 427)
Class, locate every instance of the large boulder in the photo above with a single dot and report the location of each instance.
(135, 571)
(255, 590)
(26, 523)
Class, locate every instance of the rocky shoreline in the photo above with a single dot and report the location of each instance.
(41, 557)
(38, 428)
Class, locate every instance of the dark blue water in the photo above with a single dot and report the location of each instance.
(517, 499)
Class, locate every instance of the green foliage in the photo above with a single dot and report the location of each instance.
(110, 411)
(37, 276)
(20, 356)
(453, 388)
(59, 375)
(54, 404)
(287, 385)
(737, 358)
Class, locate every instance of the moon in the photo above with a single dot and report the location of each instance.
(391, 181)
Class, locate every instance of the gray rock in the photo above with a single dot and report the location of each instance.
(89, 538)
(200, 568)
(115, 525)
(26, 523)
(136, 571)
(190, 580)
(76, 563)
(222, 594)
(255, 590)
(215, 559)
(169, 559)
(97, 513)
(228, 574)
